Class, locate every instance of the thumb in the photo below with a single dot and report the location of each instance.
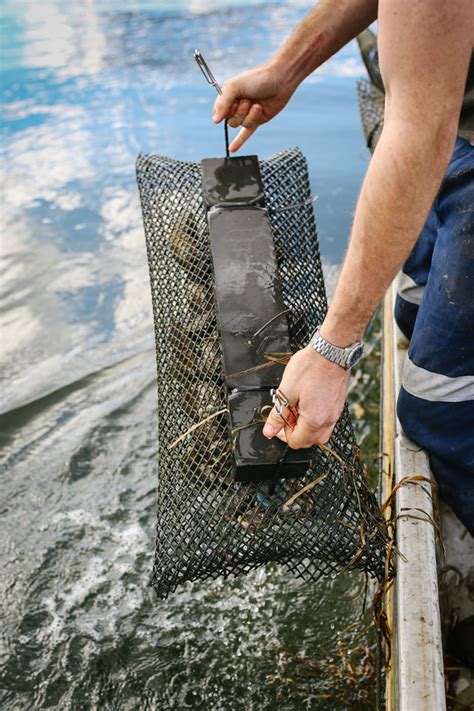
(273, 424)
(225, 101)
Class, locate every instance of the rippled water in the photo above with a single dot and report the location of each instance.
(85, 87)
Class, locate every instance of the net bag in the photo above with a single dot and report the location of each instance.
(324, 520)
(371, 93)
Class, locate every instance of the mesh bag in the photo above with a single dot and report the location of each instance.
(371, 93)
(208, 524)
(371, 107)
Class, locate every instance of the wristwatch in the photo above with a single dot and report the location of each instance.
(345, 357)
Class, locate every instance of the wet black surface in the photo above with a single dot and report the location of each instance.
(232, 180)
(248, 296)
(252, 313)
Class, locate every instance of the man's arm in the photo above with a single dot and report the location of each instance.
(322, 33)
(255, 97)
(424, 50)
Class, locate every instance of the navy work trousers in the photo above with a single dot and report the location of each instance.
(435, 310)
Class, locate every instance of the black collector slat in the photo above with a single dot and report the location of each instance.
(253, 319)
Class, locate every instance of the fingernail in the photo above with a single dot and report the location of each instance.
(269, 431)
(215, 117)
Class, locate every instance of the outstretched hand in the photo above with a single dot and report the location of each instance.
(251, 99)
(317, 389)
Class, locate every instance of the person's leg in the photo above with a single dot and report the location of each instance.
(436, 402)
(414, 275)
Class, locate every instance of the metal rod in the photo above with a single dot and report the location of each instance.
(208, 75)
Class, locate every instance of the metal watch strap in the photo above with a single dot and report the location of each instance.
(344, 357)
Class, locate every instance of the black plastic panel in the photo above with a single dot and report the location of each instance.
(232, 180)
(257, 457)
(253, 320)
(248, 296)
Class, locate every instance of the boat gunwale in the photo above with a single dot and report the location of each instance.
(415, 679)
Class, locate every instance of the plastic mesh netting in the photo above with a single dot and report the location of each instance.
(208, 524)
(371, 93)
(371, 106)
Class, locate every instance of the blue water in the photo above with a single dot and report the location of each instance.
(85, 87)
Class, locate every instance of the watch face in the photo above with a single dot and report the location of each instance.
(356, 355)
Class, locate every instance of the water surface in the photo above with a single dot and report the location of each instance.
(85, 87)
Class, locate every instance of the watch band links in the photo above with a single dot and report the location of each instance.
(332, 353)
(344, 357)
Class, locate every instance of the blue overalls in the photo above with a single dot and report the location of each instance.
(435, 310)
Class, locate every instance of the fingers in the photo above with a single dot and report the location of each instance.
(276, 425)
(240, 139)
(282, 435)
(273, 425)
(226, 103)
(233, 109)
(304, 436)
(252, 120)
(249, 126)
(240, 113)
(297, 434)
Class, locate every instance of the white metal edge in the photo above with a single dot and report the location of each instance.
(418, 654)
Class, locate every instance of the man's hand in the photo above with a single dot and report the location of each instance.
(318, 389)
(250, 99)
(255, 97)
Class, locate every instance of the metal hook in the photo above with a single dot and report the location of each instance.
(208, 75)
(210, 78)
(280, 401)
